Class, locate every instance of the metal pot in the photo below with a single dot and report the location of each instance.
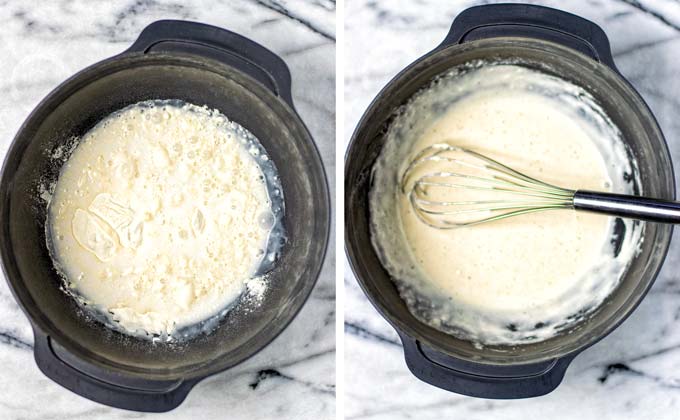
(573, 49)
(199, 64)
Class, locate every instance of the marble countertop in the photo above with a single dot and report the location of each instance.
(43, 43)
(631, 374)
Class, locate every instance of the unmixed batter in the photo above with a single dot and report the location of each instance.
(161, 215)
(524, 278)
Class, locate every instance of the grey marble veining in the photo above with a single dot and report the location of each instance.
(43, 43)
(634, 372)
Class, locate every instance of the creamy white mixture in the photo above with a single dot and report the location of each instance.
(524, 278)
(161, 215)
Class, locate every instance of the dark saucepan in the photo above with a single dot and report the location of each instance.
(560, 44)
(199, 64)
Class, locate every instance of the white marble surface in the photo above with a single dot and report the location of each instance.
(41, 44)
(632, 374)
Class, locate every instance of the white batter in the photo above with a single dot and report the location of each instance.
(161, 215)
(518, 279)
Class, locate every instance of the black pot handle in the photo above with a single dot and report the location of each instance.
(219, 44)
(531, 21)
(127, 393)
(481, 380)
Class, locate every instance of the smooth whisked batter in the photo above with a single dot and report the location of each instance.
(524, 278)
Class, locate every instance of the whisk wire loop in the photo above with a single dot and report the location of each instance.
(513, 193)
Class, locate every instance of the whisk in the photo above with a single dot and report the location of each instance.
(450, 186)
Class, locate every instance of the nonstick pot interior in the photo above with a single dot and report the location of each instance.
(639, 131)
(76, 107)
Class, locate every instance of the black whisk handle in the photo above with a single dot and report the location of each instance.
(629, 206)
